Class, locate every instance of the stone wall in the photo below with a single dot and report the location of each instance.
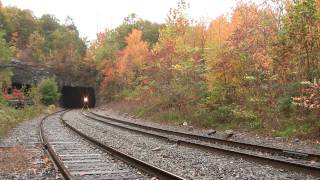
(25, 73)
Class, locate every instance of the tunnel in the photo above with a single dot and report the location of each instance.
(73, 97)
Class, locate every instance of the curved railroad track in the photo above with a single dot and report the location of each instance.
(79, 156)
(297, 161)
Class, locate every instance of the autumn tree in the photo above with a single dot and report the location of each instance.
(217, 35)
(67, 51)
(178, 71)
(298, 46)
(241, 68)
(132, 59)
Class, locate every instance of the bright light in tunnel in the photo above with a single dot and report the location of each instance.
(85, 99)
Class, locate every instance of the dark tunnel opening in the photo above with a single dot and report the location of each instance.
(73, 97)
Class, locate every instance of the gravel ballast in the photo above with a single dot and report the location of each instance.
(187, 162)
(295, 144)
(21, 154)
(83, 159)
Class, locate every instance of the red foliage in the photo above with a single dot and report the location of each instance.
(146, 81)
(309, 98)
(16, 94)
(101, 36)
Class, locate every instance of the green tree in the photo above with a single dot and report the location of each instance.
(150, 31)
(19, 24)
(5, 54)
(36, 46)
(48, 90)
(48, 24)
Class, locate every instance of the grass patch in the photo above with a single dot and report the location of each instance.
(228, 117)
(168, 116)
(286, 132)
(11, 117)
(140, 111)
(292, 130)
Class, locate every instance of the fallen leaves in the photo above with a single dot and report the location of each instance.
(15, 159)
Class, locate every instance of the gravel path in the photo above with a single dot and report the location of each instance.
(21, 155)
(295, 144)
(187, 162)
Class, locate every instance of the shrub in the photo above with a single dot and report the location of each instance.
(48, 90)
(285, 105)
(287, 132)
(250, 118)
(2, 100)
(224, 114)
(233, 116)
(309, 98)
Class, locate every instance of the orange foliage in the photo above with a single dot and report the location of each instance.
(137, 50)
(134, 55)
(219, 30)
(130, 61)
(253, 31)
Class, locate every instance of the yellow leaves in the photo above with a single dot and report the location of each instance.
(318, 5)
(178, 67)
(14, 39)
(219, 30)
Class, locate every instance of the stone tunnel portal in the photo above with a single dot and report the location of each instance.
(73, 97)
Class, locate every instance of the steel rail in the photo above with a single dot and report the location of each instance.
(48, 148)
(144, 166)
(278, 163)
(244, 145)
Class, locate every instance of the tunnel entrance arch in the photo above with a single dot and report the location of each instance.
(72, 97)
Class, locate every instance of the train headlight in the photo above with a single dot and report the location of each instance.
(85, 99)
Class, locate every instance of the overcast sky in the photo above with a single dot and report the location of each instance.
(92, 16)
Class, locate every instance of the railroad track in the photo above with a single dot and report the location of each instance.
(79, 156)
(280, 158)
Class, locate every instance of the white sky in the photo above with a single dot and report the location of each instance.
(92, 16)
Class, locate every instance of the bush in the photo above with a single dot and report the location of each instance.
(2, 100)
(48, 90)
(224, 114)
(249, 118)
(285, 105)
(232, 115)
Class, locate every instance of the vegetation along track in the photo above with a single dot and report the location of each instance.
(281, 158)
(82, 158)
